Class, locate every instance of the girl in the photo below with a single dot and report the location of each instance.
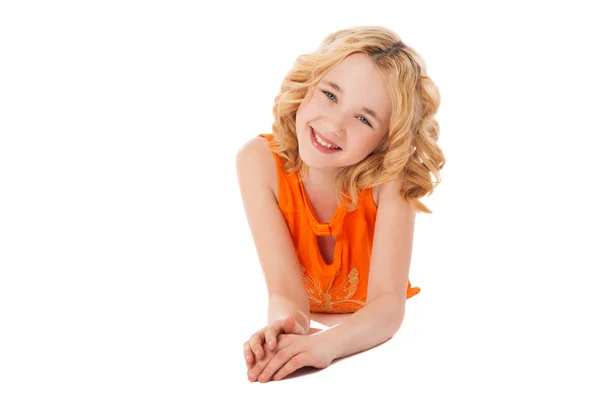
(331, 196)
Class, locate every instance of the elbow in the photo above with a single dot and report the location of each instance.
(397, 324)
(394, 310)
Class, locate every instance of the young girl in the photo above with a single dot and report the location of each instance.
(331, 196)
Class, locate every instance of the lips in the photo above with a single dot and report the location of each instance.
(323, 138)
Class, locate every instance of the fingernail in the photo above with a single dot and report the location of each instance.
(251, 376)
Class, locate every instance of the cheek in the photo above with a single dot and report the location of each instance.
(303, 111)
(303, 118)
(299, 117)
(321, 104)
(311, 106)
(361, 148)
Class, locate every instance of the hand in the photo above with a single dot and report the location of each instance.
(253, 349)
(292, 352)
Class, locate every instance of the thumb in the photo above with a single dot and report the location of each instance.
(291, 326)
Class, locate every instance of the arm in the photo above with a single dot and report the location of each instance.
(375, 323)
(276, 253)
(383, 313)
(282, 306)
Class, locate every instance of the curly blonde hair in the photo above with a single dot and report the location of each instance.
(409, 151)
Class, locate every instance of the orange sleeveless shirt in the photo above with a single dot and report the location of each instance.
(342, 286)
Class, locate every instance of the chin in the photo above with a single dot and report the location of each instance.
(317, 163)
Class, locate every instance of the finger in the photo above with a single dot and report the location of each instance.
(271, 336)
(280, 359)
(289, 325)
(259, 366)
(254, 372)
(256, 342)
(284, 340)
(256, 369)
(248, 354)
(298, 361)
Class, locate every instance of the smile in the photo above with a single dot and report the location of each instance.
(321, 145)
(323, 141)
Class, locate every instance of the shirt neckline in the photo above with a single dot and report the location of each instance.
(331, 228)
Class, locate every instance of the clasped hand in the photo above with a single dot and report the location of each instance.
(281, 348)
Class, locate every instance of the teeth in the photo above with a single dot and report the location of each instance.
(322, 143)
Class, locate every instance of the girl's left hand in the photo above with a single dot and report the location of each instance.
(292, 352)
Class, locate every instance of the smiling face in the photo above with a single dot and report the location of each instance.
(341, 111)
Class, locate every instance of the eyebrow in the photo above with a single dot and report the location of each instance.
(365, 109)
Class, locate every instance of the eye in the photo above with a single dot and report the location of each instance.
(329, 93)
(368, 123)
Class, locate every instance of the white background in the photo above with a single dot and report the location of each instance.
(127, 269)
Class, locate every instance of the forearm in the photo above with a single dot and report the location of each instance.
(282, 306)
(375, 323)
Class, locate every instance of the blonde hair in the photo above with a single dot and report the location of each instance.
(409, 150)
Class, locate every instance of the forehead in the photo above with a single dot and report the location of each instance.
(358, 65)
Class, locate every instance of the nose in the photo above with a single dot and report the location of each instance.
(334, 125)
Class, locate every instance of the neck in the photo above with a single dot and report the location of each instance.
(323, 179)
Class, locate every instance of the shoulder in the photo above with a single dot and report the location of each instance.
(256, 158)
(388, 192)
(255, 148)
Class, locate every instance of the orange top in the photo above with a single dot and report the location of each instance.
(342, 286)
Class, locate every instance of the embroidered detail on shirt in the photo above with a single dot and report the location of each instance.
(333, 300)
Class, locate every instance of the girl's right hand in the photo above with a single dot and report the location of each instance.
(253, 348)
